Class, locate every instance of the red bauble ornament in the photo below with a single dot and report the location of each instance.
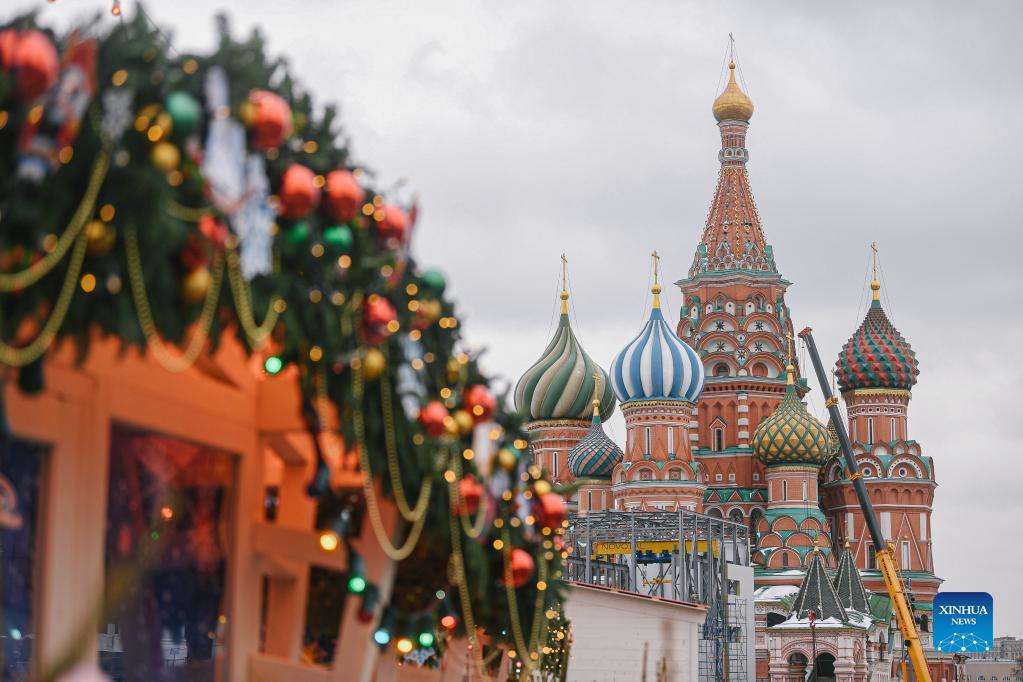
(344, 195)
(194, 255)
(479, 402)
(393, 224)
(522, 566)
(377, 316)
(214, 230)
(432, 418)
(470, 492)
(270, 119)
(35, 63)
(550, 510)
(299, 193)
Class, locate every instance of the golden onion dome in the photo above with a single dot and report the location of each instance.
(790, 435)
(733, 104)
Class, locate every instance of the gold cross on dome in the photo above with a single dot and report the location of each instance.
(873, 248)
(564, 271)
(657, 263)
(788, 348)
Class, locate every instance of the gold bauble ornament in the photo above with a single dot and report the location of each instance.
(431, 310)
(507, 459)
(165, 122)
(165, 156)
(542, 487)
(373, 364)
(100, 237)
(196, 285)
(464, 421)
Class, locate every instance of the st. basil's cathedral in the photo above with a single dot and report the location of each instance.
(716, 423)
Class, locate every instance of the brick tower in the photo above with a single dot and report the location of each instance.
(658, 378)
(734, 314)
(876, 371)
(554, 395)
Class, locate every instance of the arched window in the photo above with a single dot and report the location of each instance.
(735, 516)
(760, 370)
(647, 453)
(671, 441)
(719, 440)
(892, 428)
(784, 490)
(784, 559)
(556, 462)
(589, 499)
(805, 495)
(721, 370)
(870, 430)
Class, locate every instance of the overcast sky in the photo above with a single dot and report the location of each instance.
(535, 128)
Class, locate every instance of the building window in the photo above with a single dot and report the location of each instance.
(886, 524)
(784, 559)
(854, 430)
(870, 430)
(719, 440)
(717, 477)
(805, 495)
(671, 441)
(923, 526)
(589, 499)
(731, 477)
(756, 476)
(784, 490)
(647, 453)
(905, 556)
(555, 458)
(850, 526)
(891, 425)
(871, 557)
(721, 369)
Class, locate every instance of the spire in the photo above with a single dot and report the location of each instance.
(656, 288)
(733, 238)
(817, 594)
(849, 584)
(875, 283)
(564, 284)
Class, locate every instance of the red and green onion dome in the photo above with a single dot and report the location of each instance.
(596, 455)
(876, 356)
(562, 382)
(791, 435)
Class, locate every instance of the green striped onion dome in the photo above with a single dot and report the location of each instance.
(561, 383)
(596, 455)
(791, 435)
(876, 356)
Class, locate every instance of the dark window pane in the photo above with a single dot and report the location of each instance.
(20, 467)
(166, 558)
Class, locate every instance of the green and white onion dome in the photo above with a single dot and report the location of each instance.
(596, 455)
(562, 382)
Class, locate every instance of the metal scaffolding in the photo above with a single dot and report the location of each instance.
(677, 555)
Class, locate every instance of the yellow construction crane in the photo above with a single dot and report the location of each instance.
(885, 550)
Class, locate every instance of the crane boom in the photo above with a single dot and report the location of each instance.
(885, 551)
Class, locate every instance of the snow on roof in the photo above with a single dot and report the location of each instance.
(774, 592)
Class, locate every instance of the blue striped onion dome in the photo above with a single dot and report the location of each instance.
(791, 435)
(596, 455)
(657, 364)
(561, 383)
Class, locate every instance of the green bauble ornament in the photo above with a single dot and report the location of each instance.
(338, 237)
(298, 233)
(185, 113)
(434, 282)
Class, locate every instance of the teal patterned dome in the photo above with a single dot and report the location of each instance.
(562, 382)
(596, 455)
(791, 435)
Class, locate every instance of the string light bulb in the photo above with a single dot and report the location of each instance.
(116, 9)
